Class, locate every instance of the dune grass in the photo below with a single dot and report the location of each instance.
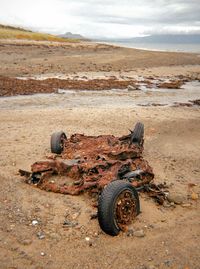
(9, 32)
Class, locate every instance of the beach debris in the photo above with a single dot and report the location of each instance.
(59, 86)
(196, 102)
(185, 104)
(173, 84)
(56, 85)
(99, 165)
(89, 163)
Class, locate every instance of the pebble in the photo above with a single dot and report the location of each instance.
(186, 205)
(40, 235)
(75, 215)
(176, 198)
(151, 226)
(96, 234)
(130, 232)
(139, 233)
(34, 222)
(42, 253)
(60, 91)
(70, 224)
(133, 88)
(194, 196)
(89, 241)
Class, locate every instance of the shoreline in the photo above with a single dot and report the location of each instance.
(126, 45)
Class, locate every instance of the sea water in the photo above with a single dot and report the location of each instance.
(194, 48)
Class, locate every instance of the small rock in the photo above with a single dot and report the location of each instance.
(60, 91)
(130, 232)
(89, 241)
(186, 205)
(194, 196)
(133, 88)
(151, 226)
(34, 222)
(139, 233)
(42, 253)
(40, 235)
(75, 215)
(176, 198)
(172, 204)
(70, 224)
(96, 234)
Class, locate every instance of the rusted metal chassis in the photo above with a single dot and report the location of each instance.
(90, 163)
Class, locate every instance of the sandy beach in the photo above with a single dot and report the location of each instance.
(170, 235)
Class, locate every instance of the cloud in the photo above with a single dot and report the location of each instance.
(103, 17)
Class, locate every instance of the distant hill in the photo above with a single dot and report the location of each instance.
(70, 35)
(11, 32)
(165, 38)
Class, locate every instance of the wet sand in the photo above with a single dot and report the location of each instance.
(115, 98)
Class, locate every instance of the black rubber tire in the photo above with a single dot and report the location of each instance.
(137, 136)
(57, 142)
(107, 202)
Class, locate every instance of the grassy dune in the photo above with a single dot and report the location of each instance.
(9, 32)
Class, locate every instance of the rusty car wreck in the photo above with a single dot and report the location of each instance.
(110, 167)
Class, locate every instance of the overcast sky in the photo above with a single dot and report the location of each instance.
(105, 18)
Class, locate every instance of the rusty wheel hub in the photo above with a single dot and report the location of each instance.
(125, 209)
